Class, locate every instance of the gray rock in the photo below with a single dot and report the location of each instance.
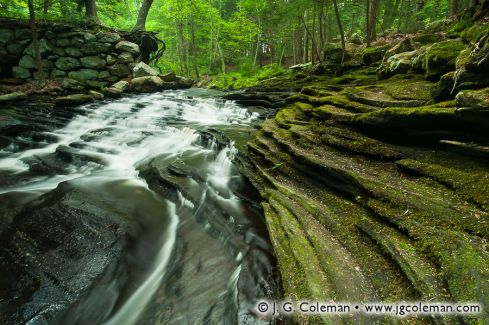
(63, 42)
(406, 45)
(119, 70)
(103, 75)
(44, 47)
(111, 59)
(84, 74)
(147, 84)
(15, 48)
(74, 52)
(73, 100)
(93, 62)
(96, 48)
(5, 35)
(95, 94)
(71, 84)
(21, 73)
(57, 73)
(121, 85)
(143, 70)
(125, 46)
(477, 99)
(183, 82)
(108, 37)
(27, 62)
(125, 57)
(18, 95)
(67, 63)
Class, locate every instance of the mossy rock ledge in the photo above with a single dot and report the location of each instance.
(374, 193)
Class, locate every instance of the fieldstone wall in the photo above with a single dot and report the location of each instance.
(93, 58)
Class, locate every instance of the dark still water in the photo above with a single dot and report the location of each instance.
(130, 212)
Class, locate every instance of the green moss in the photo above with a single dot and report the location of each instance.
(373, 54)
(440, 58)
(462, 23)
(427, 38)
(472, 34)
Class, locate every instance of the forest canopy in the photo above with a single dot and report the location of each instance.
(220, 36)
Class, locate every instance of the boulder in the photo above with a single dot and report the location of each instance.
(438, 25)
(143, 70)
(104, 75)
(95, 94)
(121, 85)
(44, 48)
(125, 46)
(71, 84)
(21, 73)
(183, 82)
(73, 100)
(125, 57)
(356, 39)
(479, 59)
(441, 57)
(84, 74)
(73, 51)
(406, 45)
(332, 53)
(373, 54)
(478, 99)
(96, 84)
(27, 62)
(119, 70)
(147, 84)
(67, 63)
(15, 96)
(96, 48)
(108, 37)
(112, 92)
(396, 64)
(77, 42)
(169, 77)
(93, 62)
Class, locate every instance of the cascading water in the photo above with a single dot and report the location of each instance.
(150, 161)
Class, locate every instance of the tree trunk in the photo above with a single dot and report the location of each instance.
(45, 8)
(368, 23)
(340, 27)
(453, 7)
(91, 11)
(35, 40)
(194, 50)
(143, 14)
(372, 19)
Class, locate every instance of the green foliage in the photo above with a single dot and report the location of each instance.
(237, 80)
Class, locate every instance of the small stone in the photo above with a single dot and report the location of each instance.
(103, 75)
(44, 47)
(74, 52)
(77, 42)
(59, 51)
(143, 70)
(15, 49)
(111, 59)
(5, 35)
(27, 62)
(21, 73)
(356, 39)
(112, 92)
(93, 62)
(96, 94)
(71, 84)
(67, 63)
(126, 46)
(15, 96)
(97, 84)
(84, 74)
(125, 57)
(147, 84)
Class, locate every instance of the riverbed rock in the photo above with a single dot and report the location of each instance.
(67, 63)
(169, 77)
(111, 92)
(126, 46)
(93, 62)
(183, 82)
(73, 100)
(147, 84)
(143, 70)
(15, 96)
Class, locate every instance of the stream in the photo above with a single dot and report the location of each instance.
(130, 211)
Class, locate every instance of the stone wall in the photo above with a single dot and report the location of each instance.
(94, 58)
